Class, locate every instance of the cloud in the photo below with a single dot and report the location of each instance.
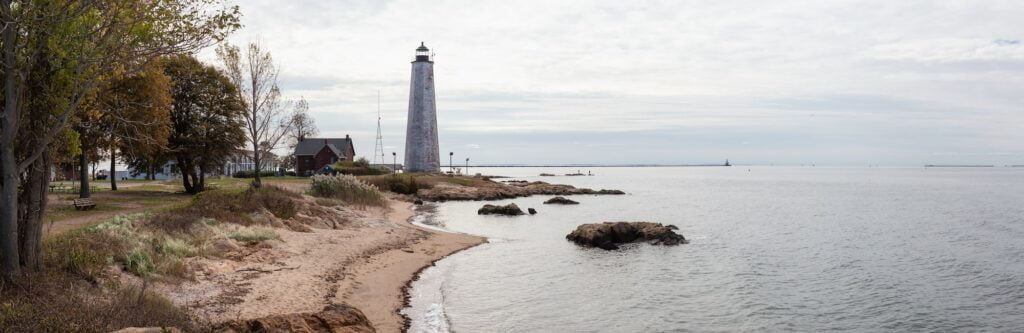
(876, 81)
(949, 50)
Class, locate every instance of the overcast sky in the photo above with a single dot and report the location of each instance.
(765, 82)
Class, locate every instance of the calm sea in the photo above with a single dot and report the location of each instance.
(771, 249)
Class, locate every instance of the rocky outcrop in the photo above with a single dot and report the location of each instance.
(334, 318)
(607, 235)
(560, 201)
(547, 175)
(148, 330)
(498, 191)
(509, 209)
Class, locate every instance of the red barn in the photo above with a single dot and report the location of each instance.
(312, 154)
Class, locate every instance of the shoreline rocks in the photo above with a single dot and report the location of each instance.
(509, 210)
(560, 201)
(498, 191)
(333, 318)
(608, 235)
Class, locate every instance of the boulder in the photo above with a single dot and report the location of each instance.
(418, 202)
(509, 209)
(560, 201)
(607, 235)
(334, 318)
(531, 211)
(224, 245)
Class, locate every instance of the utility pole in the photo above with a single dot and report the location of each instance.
(451, 156)
(394, 163)
(467, 166)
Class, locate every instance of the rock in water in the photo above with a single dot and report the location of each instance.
(509, 209)
(531, 211)
(607, 235)
(418, 202)
(560, 201)
(334, 318)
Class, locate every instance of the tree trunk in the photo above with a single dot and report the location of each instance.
(202, 179)
(9, 214)
(93, 171)
(113, 169)
(185, 169)
(83, 190)
(33, 205)
(8, 165)
(256, 181)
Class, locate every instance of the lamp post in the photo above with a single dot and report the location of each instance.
(394, 163)
(467, 166)
(451, 156)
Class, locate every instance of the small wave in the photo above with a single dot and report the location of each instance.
(435, 320)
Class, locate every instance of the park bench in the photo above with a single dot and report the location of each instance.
(84, 204)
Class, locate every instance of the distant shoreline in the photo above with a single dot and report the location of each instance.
(739, 165)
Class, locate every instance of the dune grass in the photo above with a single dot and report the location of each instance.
(348, 189)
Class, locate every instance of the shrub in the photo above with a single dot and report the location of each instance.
(61, 303)
(228, 206)
(252, 173)
(402, 184)
(139, 263)
(278, 201)
(359, 167)
(82, 252)
(253, 234)
(348, 189)
(178, 248)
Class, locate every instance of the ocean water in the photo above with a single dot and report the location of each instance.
(771, 249)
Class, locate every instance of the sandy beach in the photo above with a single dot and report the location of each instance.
(367, 263)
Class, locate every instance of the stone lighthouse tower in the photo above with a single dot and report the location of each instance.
(421, 150)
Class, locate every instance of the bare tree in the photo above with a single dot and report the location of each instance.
(303, 126)
(267, 120)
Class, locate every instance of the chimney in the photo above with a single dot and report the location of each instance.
(346, 137)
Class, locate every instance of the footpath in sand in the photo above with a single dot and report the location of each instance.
(367, 263)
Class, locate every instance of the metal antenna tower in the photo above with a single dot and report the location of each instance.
(378, 150)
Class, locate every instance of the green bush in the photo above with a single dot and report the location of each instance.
(402, 184)
(348, 189)
(252, 173)
(359, 167)
(139, 263)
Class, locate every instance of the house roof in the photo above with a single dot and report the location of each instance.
(311, 146)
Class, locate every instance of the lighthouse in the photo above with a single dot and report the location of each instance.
(421, 150)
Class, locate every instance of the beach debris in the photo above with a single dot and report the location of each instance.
(608, 235)
(531, 211)
(560, 201)
(333, 318)
(509, 209)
